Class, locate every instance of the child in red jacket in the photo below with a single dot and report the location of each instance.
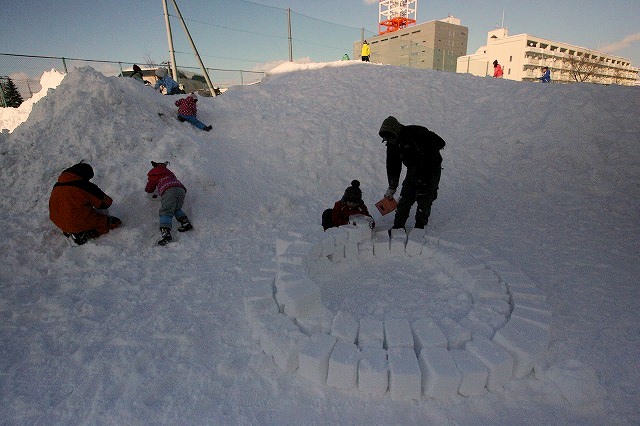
(350, 204)
(187, 111)
(172, 193)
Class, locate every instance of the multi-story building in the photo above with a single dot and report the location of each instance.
(523, 56)
(432, 45)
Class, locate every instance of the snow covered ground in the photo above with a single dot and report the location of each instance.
(121, 331)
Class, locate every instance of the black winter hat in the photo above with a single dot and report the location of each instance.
(353, 194)
(84, 170)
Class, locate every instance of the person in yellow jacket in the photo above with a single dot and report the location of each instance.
(366, 51)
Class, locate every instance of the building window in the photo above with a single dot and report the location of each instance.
(510, 58)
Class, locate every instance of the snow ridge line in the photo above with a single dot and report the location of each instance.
(503, 337)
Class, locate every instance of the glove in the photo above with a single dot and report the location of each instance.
(389, 193)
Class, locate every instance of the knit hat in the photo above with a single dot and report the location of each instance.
(84, 170)
(159, 163)
(161, 72)
(353, 194)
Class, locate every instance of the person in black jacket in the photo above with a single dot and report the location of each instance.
(418, 148)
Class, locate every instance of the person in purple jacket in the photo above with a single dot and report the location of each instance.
(172, 193)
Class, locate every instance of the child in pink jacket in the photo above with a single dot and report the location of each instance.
(187, 111)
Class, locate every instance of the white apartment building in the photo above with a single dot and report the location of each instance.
(523, 56)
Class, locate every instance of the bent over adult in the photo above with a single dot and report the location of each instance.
(418, 148)
(73, 204)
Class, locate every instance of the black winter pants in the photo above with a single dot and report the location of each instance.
(422, 190)
(327, 221)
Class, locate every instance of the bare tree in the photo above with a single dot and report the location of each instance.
(149, 61)
(583, 67)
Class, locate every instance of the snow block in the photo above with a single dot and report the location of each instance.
(373, 371)
(354, 234)
(291, 279)
(343, 366)
(362, 224)
(457, 335)
(526, 352)
(498, 361)
(262, 289)
(340, 234)
(282, 340)
(476, 326)
(313, 358)
(351, 250)
(530, 294)
(539, 319)
(415, 241)
(338, 253)
(345, 327)
(440, 376)
(539, 307)
(365, 248)
(327, 244)
(474, 373)
(370, 333)
(283, 242)
(427, 334)
(398, 241)
(300, 299)
(257, 307)
(397, 334)
(488, 289)
(315, 322)
(498, 306)
(381, 243)
(489, 316)
(405, 377)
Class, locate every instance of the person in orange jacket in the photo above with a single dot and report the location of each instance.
(497, 69)
(74, 202)
(350, 204)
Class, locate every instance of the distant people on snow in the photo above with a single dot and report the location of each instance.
(164, 80)
(172, 193)
(497, 69)
(345, 57)
(187, 111)
(137, 74)
(366, 51)
(348, 207)
(418, 148)
(546, 75)
(75, 202)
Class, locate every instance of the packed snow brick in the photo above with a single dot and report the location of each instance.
(362, 224)
(539, 307)
(327, 244)
(345, 327)
(315, 322)
(343, 366)
(256, 307)
(498, 361)
(516, 279)
(381, 243)
(299, 299)
(398, 241)
(313, 358)
(365, 248)
(397, 333)
(461, 267)
(373, 371)
(427, 334)
(293, 279)
(262, 289)
(531, 294)
(499, 306)
(440, 375)
(338, 253)
(281, 339)
(476, 326)
(370, 333)
(474, 373)
(354, 233)
(457, 335)
(284, 241)
(299, 253)
(405, 377)
(340, 234)
(489, 316)
(415, 241)
(259, 322)
(351, 250)
(526, 351)
(488, 289)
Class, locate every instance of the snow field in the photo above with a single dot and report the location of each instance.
(503, 337)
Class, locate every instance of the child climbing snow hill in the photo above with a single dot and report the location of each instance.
(187, 111)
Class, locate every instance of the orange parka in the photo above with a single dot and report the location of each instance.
(74, 199)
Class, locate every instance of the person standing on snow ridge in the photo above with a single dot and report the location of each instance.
(170, 85)
(366, 51)
(172, 193)
(350, 204)
(546, 75)
(187, 111)
(418, 148)
(74, 202)
(497, 69)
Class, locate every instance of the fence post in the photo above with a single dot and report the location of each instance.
(64, 65)
(241, 79)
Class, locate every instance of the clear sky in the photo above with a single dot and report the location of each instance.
(241, 34)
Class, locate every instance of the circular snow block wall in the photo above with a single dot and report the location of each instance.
(496, 329)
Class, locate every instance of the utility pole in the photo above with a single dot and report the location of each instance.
(290, 39)
(172, 53)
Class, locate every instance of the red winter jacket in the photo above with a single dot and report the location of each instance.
(342, 211)
(187, 106)
(497, 71)
(162, 178)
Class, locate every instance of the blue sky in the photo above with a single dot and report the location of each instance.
(240, 34)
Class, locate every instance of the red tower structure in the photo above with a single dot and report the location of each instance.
(396, 14)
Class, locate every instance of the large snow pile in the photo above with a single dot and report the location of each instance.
(546, 177)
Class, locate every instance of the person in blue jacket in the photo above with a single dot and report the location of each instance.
(546, 75)
(164, 80)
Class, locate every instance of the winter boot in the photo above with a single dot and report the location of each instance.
(185, 225)
(165, 236)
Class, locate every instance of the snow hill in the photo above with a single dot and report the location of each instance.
(118, 331)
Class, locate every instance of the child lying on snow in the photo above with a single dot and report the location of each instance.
(349, 206)
(187, 111)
